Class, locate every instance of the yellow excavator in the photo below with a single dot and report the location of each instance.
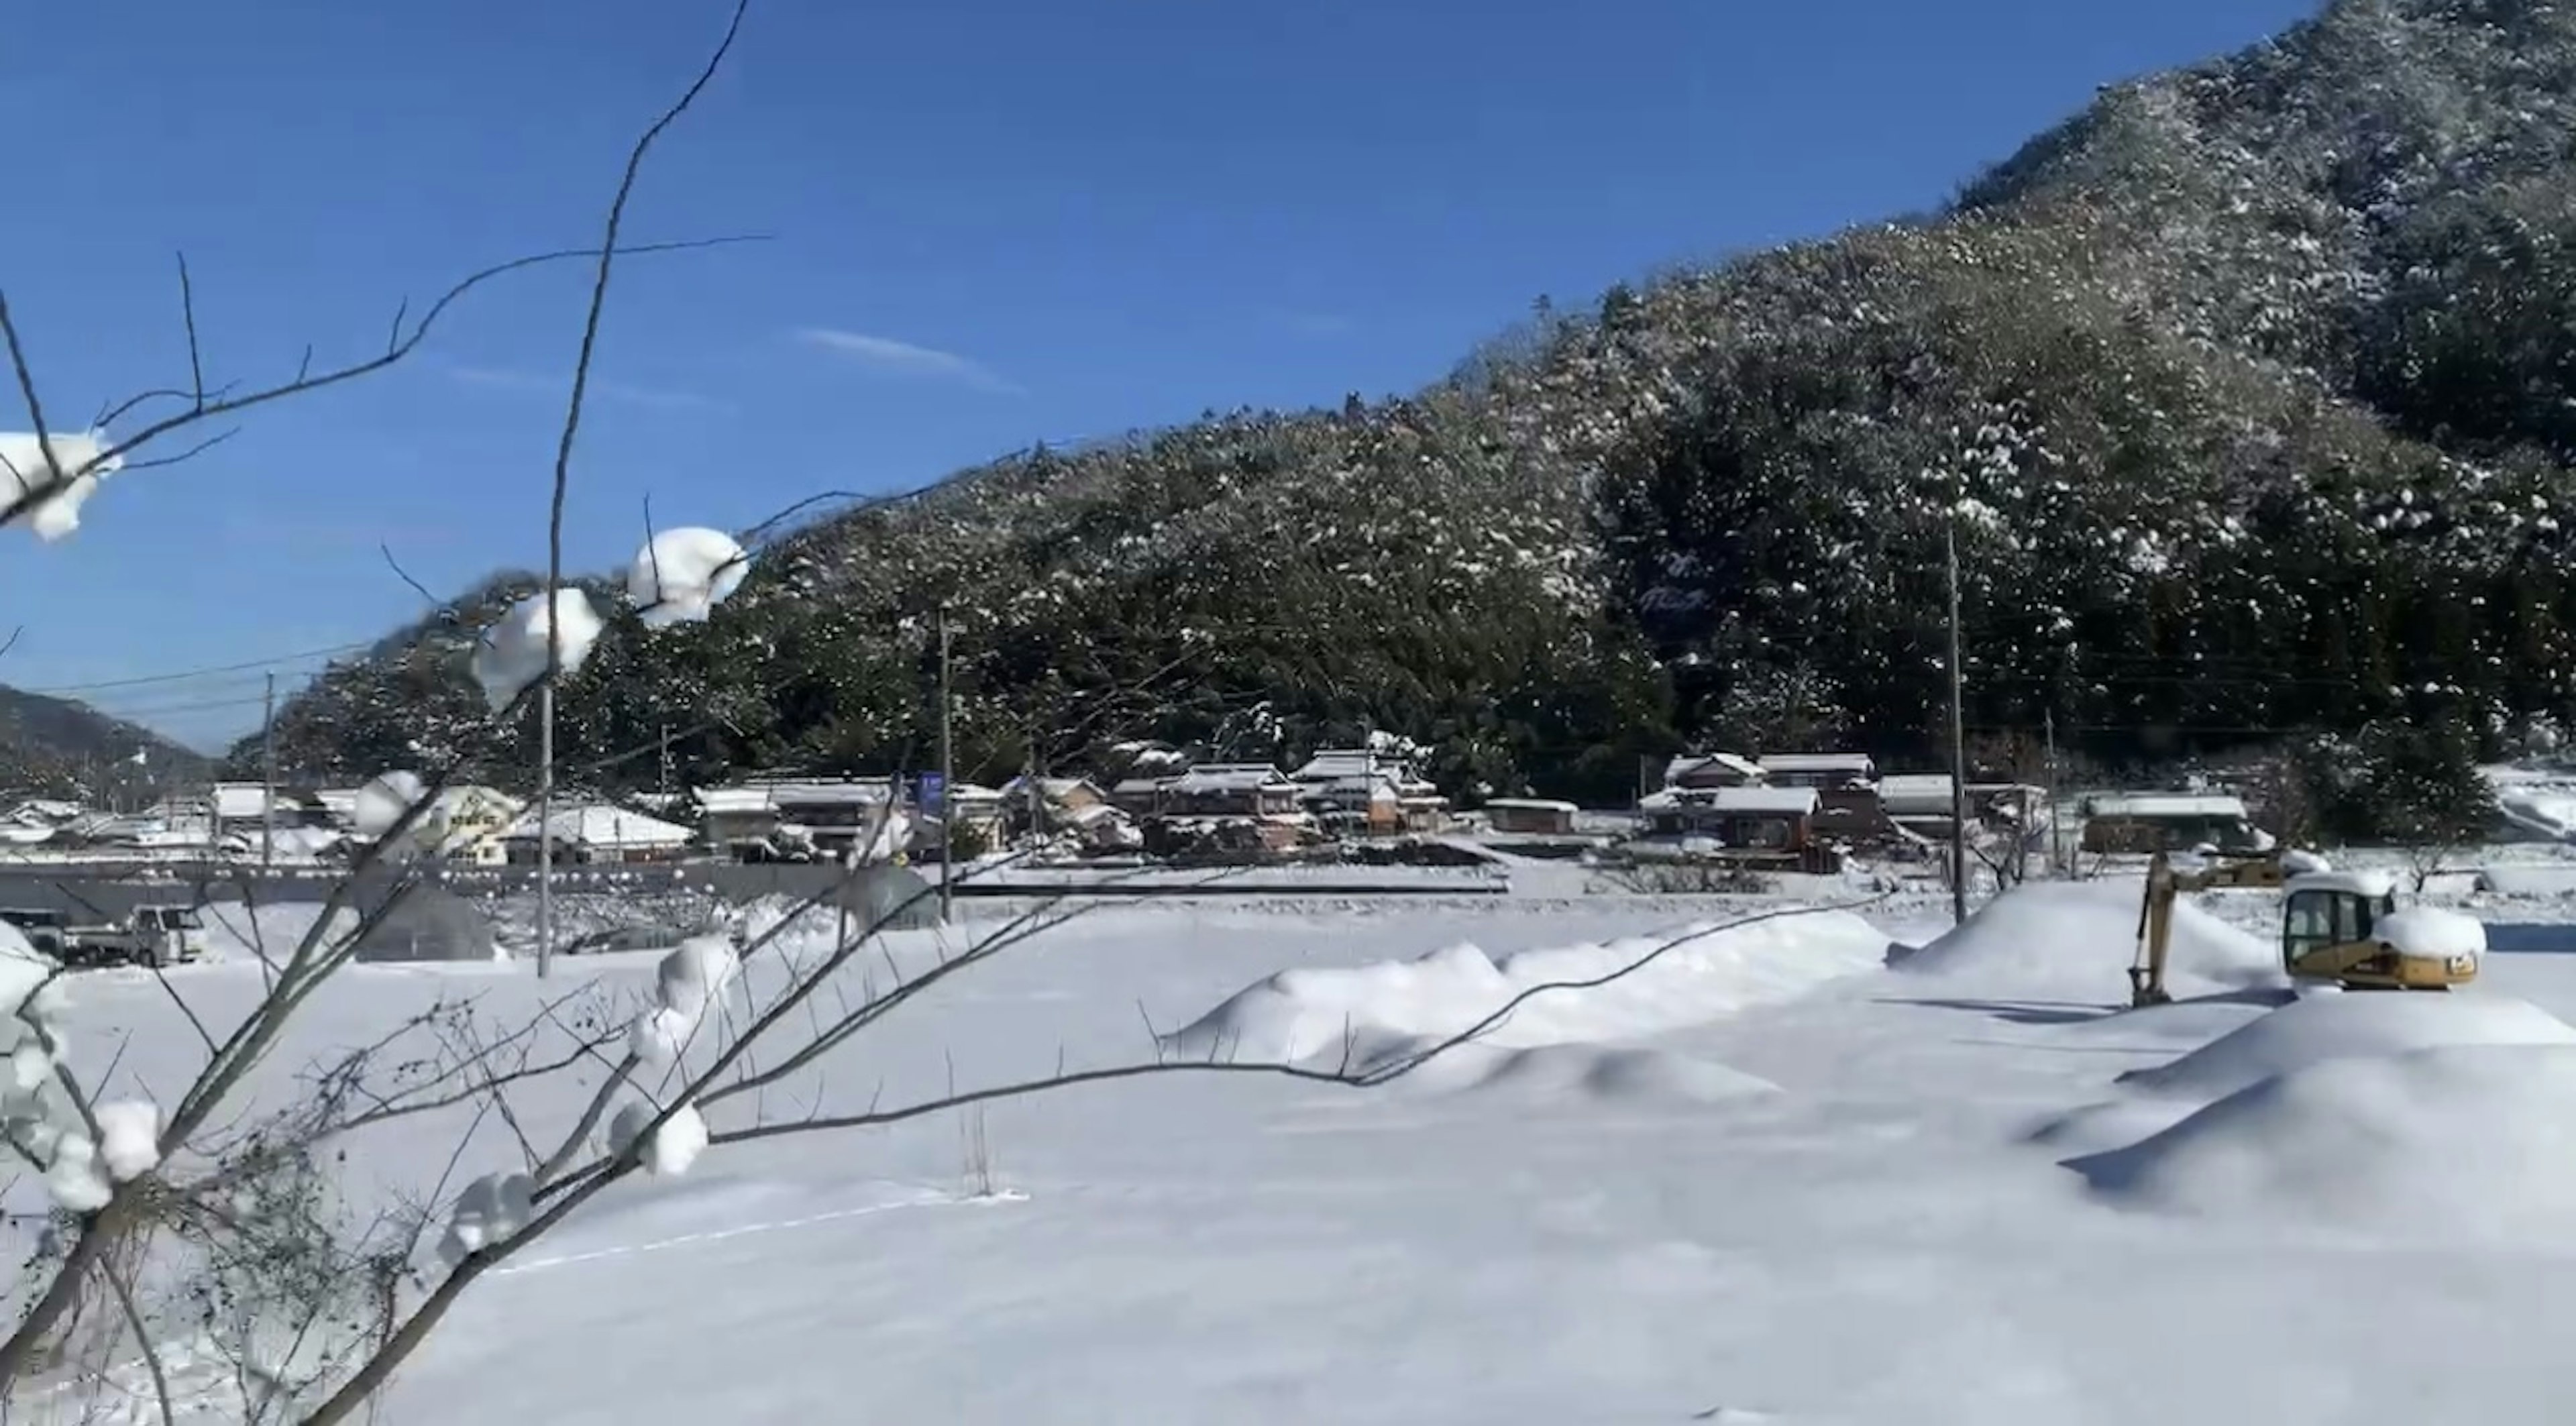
(2339, 927)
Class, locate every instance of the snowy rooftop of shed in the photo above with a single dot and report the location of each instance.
(1688, 763)
(2152, 806)
(603, 827)
(1773, 801)
(1228, 777)
(1819, 762)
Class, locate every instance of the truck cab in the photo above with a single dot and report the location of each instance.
(168, 935)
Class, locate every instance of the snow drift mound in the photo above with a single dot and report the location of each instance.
(2083, 934)
(1692, 976)
(2317, 1028)
(1557, 1073)
(2456, 1139)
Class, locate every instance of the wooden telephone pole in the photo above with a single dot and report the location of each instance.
(1958, 739)
(268, 777)
(947, 776)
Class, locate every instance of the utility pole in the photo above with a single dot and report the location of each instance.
(666, 766)
(1035, 790)
(546, 814)
(2048, 729)
(268, 776)
(1958, 738)
(947, 772)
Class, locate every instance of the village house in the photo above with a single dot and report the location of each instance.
(1216, 807)
(1228, 790)
(978, 811)
(1704, 770)
(768, 818)
(1363, 790)
(1825, 772)
(596, 835)
(1530, 816)
(1074, 807)
(2139, 823)
(1761, 819)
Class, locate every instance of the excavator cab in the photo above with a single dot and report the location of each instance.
(2345, 927)
(2329, 909)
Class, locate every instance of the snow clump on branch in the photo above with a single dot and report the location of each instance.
(83, 1157)
(680, 575)
(691, 977)
(510, 658)
(489, 1210)
(83, 456)
(671, 1149)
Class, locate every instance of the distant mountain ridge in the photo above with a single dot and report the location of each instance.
(2249, 395)
(59, 745)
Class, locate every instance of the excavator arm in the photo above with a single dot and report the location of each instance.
(2165, 884)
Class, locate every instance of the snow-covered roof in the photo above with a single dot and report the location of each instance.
(602, 827)
(770, 796)
(1531, 804)
(1684, 764)
(1753, 801)
(1334, 764)
(1907, 792)
(1860, 763)
(2154, 806)
(235, 801)
(1228, 777)
(2373, 884)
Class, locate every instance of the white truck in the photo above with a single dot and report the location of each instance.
(153, 934)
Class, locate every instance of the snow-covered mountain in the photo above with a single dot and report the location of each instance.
(2249, 389)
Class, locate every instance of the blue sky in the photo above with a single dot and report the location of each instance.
(997, 221)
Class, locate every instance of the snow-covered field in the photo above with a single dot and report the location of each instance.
(1769, 1180)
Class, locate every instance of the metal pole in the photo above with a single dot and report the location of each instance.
(2048, 728)
(1958, 740)
(947, 774)
(268, 776)
(546, 821)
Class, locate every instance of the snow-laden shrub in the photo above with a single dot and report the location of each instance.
(23, 471)
(510, 658)
(680, 575)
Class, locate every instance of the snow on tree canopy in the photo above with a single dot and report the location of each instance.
(682, 574)
(81, 460)
(511, 656)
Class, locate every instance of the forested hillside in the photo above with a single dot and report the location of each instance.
(2248, 394)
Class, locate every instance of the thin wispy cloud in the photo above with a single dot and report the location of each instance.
(659, 398)
(894, 358)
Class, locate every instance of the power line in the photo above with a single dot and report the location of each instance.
(184, 675)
